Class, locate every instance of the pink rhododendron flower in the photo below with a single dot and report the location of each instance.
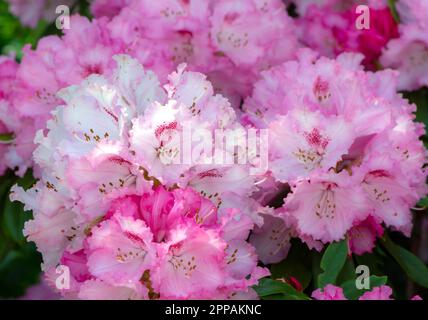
(408, 54)
(378, 293)
(325, 208)
(330, 28)
(343, 140)
(413, 12)
(155, 136)
(362, 236)
(16, 145)
(272, 239)
(30, 12)
(8, 123)
(7, 74)
(234, 34)
(330, 292)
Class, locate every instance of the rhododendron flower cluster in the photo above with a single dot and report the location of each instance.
(100, 202)
(165, 245)
(217, 149)
(346, 144)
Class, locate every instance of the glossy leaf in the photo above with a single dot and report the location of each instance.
(411, 264)
(268, 287)
(332, 262)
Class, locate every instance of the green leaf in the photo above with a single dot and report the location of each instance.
(5, 184)
(332, 263)
(12, 214)
(292, 268)
(315, 267)
(296, 265)
(347, 272)
(411, 264)
(353, 293)
(19, 270)
(14, 218)
(420, 98)
(27, 180)
(268, 288)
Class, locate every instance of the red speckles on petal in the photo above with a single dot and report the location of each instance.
(160, 130)
(316, 140)
(133, 237)
(231, 17)
(92, 69)
(321, 89)
(380, 174)
(213, 173)
(185, 33)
